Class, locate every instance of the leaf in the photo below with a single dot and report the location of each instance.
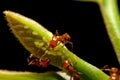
(34, 37)
(19, 75)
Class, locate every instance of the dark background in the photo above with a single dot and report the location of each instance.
(82, 20)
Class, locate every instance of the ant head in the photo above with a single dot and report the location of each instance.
(114, 70)
(66, 63)
(66, 36)
(45, 60)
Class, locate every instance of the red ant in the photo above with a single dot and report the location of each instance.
(42, 63)
(68, 66)
(56, 39)
(114, 72)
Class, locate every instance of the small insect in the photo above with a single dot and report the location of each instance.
(114, 72)
(42, 63)
(57, 39)
(68, 66)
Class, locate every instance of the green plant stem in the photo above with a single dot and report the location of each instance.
(110, 13)
(34, 37)
(109, 10)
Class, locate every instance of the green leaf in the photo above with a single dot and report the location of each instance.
(34, 37)
(17, 75)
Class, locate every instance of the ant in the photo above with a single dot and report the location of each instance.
(114, 72)
(57, 39)
(42, 63)
(68, 66)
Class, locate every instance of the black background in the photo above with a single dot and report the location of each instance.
(82, 20)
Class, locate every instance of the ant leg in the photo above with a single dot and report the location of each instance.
(28, 59)
(62, 45)
(56, 33)
(72, 64)
(32, 60)
(43, 55)
(106, 68)
(70, 44)
(71, 77)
